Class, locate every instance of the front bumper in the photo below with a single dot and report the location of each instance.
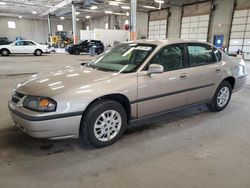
(52, 127)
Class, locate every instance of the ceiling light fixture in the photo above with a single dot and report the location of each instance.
(93, 7)
(77, 13)
(108, 12)
(149, 7)
(114, 3)
(125, 7)
(62, 18)
(34, 12)
(87, 17)
(3, 3)
(77, 19)
(20, 17)
(159, 1)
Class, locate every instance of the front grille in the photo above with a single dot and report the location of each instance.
(16, 97)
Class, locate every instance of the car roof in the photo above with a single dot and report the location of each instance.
(168, 41)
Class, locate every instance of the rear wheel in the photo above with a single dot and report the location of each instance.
(221, 97)
(104, 123)
(5, 52)
(99, 51)
(38, 53)
(77, 52)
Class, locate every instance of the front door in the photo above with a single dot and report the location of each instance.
(164, 91)
(19, 47)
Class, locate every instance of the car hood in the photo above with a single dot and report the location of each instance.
(56, 82)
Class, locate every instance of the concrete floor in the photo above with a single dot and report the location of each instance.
(192, 148)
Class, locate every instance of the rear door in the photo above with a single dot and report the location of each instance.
(204, 72)
(164, 91)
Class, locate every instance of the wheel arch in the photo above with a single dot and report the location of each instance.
(231, 80)
(120, 98)
(4, 49)
(38, 49)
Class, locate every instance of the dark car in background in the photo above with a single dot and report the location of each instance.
(84, 46)
(4, 41)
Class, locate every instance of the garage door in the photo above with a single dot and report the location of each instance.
(240, 33)
(157, 29)
(195, 27)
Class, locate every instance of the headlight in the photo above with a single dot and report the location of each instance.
(40, 104)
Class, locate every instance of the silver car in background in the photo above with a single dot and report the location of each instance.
(96, 101)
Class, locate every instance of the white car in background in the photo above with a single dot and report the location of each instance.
(24, 47)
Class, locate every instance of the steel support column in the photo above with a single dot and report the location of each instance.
(74, 22)
(49, 26)
(133, 5)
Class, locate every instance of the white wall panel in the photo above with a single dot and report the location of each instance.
(236, 42)
(238, 28)
(240, 13)
(195, 27)
(157, 29)
(236, 35)
(241, 20)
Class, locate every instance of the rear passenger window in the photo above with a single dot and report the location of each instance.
(200, 54)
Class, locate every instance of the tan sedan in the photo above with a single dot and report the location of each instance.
(96, 101)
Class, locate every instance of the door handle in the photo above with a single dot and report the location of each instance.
(183, 76)
(218, 70)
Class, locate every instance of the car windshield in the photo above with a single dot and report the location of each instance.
(123, 58)
(80, 42)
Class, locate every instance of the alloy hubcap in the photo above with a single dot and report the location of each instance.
(5, 52)
(223, 96)
(107, 125)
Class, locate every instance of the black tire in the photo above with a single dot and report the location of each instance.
(77, 52)
(99, 51)
(5, 52)
(214, 105)
(38, 52)
(61, 44)
(87, 133)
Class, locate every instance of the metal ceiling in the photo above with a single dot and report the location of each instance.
(41, 8)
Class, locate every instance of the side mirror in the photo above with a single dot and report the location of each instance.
(155, 68)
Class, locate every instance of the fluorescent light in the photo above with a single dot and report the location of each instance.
(108, 12)
(62, 18)
(3, 3)
(93, 7)
(87, 17)
(77, 19)
(149, 7)
(125, 7)
(114, 3)
(20, 17)
(77, 13)
(159, 1)
(127, 13)
(34, 12)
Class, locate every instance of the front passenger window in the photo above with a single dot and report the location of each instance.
(170, 57)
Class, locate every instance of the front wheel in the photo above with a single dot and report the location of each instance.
(221, 97)
(5, 52)
(104, 123)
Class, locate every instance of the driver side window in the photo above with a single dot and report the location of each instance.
(170, 57)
